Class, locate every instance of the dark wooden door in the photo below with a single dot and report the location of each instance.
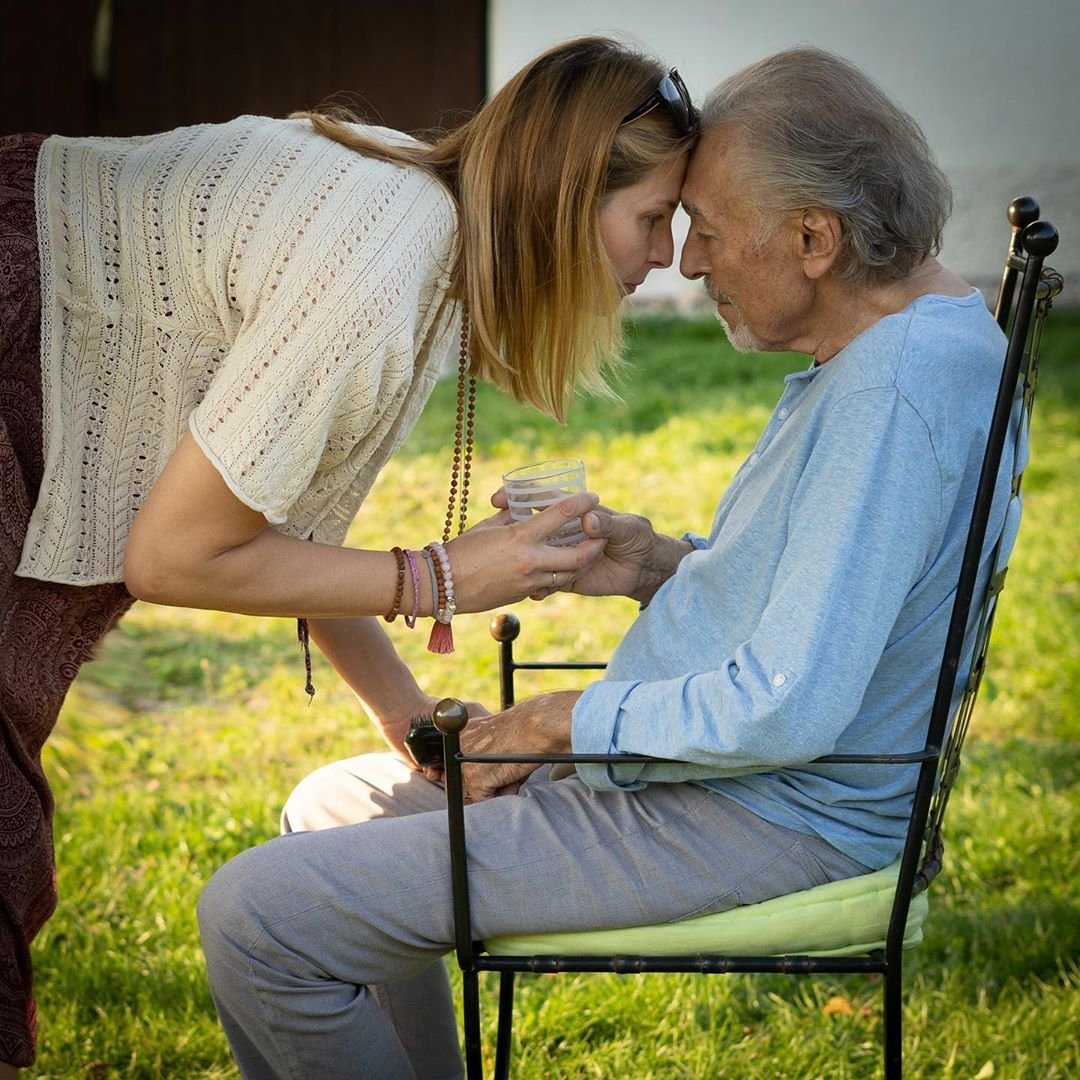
(128, 67)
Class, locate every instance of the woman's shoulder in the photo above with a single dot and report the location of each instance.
(403, 192)
(263, 158)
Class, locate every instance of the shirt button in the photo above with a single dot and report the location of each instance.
(753, 457)
(783, 414)
(779, 680)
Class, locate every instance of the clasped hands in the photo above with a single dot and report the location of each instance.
(500, 561)
(540, 725)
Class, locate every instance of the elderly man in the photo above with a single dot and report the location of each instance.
(807, 622)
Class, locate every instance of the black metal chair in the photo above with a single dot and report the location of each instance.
(1024, 300)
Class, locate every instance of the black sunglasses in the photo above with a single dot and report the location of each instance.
(671, 91)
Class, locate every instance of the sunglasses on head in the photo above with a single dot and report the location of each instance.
(671, 91)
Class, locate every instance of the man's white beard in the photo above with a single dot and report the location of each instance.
(742, 339)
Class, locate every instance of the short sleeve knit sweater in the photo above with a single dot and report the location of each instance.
(278, 294)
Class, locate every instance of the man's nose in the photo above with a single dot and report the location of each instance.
(692, 262)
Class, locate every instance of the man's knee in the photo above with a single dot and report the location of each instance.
(227, 922)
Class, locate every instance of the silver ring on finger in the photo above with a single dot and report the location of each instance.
(554, 581)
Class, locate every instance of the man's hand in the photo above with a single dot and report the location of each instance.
(540, 725)
(636, 559)
(619, 570)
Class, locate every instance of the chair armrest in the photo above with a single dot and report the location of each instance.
(544, 759)
(915, 757)
(505, 628)
(452, 750)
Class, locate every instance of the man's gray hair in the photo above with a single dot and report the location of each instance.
(817, 133)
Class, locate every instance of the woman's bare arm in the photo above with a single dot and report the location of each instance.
(195, 544)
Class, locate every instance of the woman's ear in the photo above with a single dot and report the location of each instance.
(818, 237)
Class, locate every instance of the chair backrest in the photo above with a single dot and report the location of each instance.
(1022, 316)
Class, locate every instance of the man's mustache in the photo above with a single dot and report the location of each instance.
(715, 294)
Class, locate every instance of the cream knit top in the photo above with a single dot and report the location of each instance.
(281, 296)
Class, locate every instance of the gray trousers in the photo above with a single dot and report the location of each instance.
(323, 946)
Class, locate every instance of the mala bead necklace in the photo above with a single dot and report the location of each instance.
(463, 436)
(442, 635)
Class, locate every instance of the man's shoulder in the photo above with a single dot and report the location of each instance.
(936, 341)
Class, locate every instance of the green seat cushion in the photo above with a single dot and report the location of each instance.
(838, 918)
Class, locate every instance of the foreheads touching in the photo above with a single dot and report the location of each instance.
(539, 162)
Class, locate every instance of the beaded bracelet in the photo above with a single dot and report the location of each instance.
(430, 563)
(399, 592)
(442, 635)
(410, 558)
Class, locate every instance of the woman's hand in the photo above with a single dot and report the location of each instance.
(500, 561)
(394, 731)
(541, 725)
(364, 656)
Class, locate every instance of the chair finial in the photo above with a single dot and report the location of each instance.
(450, 716)
(504, 626)
(1040, 238)
(1023, 210)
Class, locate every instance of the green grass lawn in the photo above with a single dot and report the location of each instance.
(179, 744)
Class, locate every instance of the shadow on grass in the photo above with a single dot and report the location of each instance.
(1002, 941)
(140, 667)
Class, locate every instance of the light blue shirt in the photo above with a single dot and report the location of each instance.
(813, 618)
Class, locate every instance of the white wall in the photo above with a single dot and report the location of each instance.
(997, 93)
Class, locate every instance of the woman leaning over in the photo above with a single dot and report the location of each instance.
(212, 339)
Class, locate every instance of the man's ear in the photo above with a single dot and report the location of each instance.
(817, 238)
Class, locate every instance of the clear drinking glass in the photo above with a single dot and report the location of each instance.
(532, 488)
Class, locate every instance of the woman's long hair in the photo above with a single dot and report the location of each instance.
(528, 174)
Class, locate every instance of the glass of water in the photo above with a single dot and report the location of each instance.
(532, 488)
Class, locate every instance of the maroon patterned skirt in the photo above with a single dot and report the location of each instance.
(46, 630)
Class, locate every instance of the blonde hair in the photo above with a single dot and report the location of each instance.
(529, 173)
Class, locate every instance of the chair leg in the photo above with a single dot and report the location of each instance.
(506, 1022)
(470, 1000)
(894, 1018)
